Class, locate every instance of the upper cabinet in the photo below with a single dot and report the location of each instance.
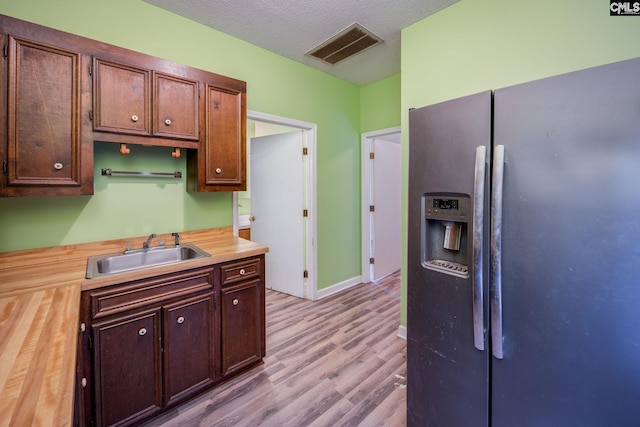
(121, 98)
(45, 149)
(175, 107)
(220, 163)
(62, 92)
(136, 101)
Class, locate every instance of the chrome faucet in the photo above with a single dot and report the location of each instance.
(146, 244)
(176, 236)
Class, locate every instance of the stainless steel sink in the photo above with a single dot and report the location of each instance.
(102, 265)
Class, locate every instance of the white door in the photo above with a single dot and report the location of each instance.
(277, 203)
(385, 220)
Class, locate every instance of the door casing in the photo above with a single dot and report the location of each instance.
(310, 248)
(367, 197)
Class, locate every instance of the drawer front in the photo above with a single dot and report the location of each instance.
(240, 270)
(116, 299)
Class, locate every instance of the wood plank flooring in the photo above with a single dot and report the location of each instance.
(333, 362)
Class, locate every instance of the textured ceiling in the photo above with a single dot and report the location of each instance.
(293, 27)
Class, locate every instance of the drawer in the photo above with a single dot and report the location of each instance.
(240, 270)
(127, 296)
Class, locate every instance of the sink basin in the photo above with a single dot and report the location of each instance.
(101, 265)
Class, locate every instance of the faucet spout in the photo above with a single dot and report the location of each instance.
(146, 244)
(176, 236)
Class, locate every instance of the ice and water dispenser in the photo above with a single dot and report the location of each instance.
(446, 229)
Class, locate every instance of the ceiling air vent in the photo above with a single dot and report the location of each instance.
(345, 44)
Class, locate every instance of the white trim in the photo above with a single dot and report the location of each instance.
(367, 197)
(402, 332)
(338, 287)
(235, 213)
(310, 284)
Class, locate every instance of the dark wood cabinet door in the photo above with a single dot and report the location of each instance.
(43, 142)
(175, 107)
(242, 323)
(127, 368)
(225, 145)
(121, 98)
(189, 350)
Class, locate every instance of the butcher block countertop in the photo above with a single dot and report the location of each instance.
(39, 308)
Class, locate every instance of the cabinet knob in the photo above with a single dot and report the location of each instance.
(242, 272)
(134, 118)
(142, 331)
(218, 170)
(167, 122)
(181, 319)
(235, 301)
(57, 166)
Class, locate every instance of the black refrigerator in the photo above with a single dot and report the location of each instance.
(523, 278)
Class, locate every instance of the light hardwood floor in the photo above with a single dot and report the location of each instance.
(333, 362)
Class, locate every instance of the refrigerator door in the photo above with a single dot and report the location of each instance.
(570, 250)
(447, 376)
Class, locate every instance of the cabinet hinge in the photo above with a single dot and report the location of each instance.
(305, 213)
(90, 68)
(306, 274)
(90, 115)
(371, 260)
(372, 155)
(5, 51)
(372, 208)
(304, 151)
(90, 343)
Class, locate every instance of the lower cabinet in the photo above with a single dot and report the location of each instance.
(146, 346)
(189, 352)
(243, 314)
(241, 321)
(127, 360)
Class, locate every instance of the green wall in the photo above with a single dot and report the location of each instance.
(477, 45)
(124, 207)
(380, 104)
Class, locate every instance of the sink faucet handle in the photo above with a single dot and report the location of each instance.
(146, 244)
(176, 236)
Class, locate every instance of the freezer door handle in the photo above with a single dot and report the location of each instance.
(495, 284)
(478, 231)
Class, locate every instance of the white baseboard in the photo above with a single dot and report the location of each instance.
(338, 287)
(402, 332)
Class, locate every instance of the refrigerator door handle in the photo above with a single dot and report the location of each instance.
(478, 231)
(495, 285)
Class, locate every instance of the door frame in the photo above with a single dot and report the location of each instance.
(309, 183)
(367, 196)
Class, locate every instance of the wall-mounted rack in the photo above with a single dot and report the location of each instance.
(109, 172)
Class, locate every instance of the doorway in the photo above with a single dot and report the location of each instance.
(381, 192)
(280, 191)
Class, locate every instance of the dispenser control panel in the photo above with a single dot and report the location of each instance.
(445, 204)
(447, 208)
